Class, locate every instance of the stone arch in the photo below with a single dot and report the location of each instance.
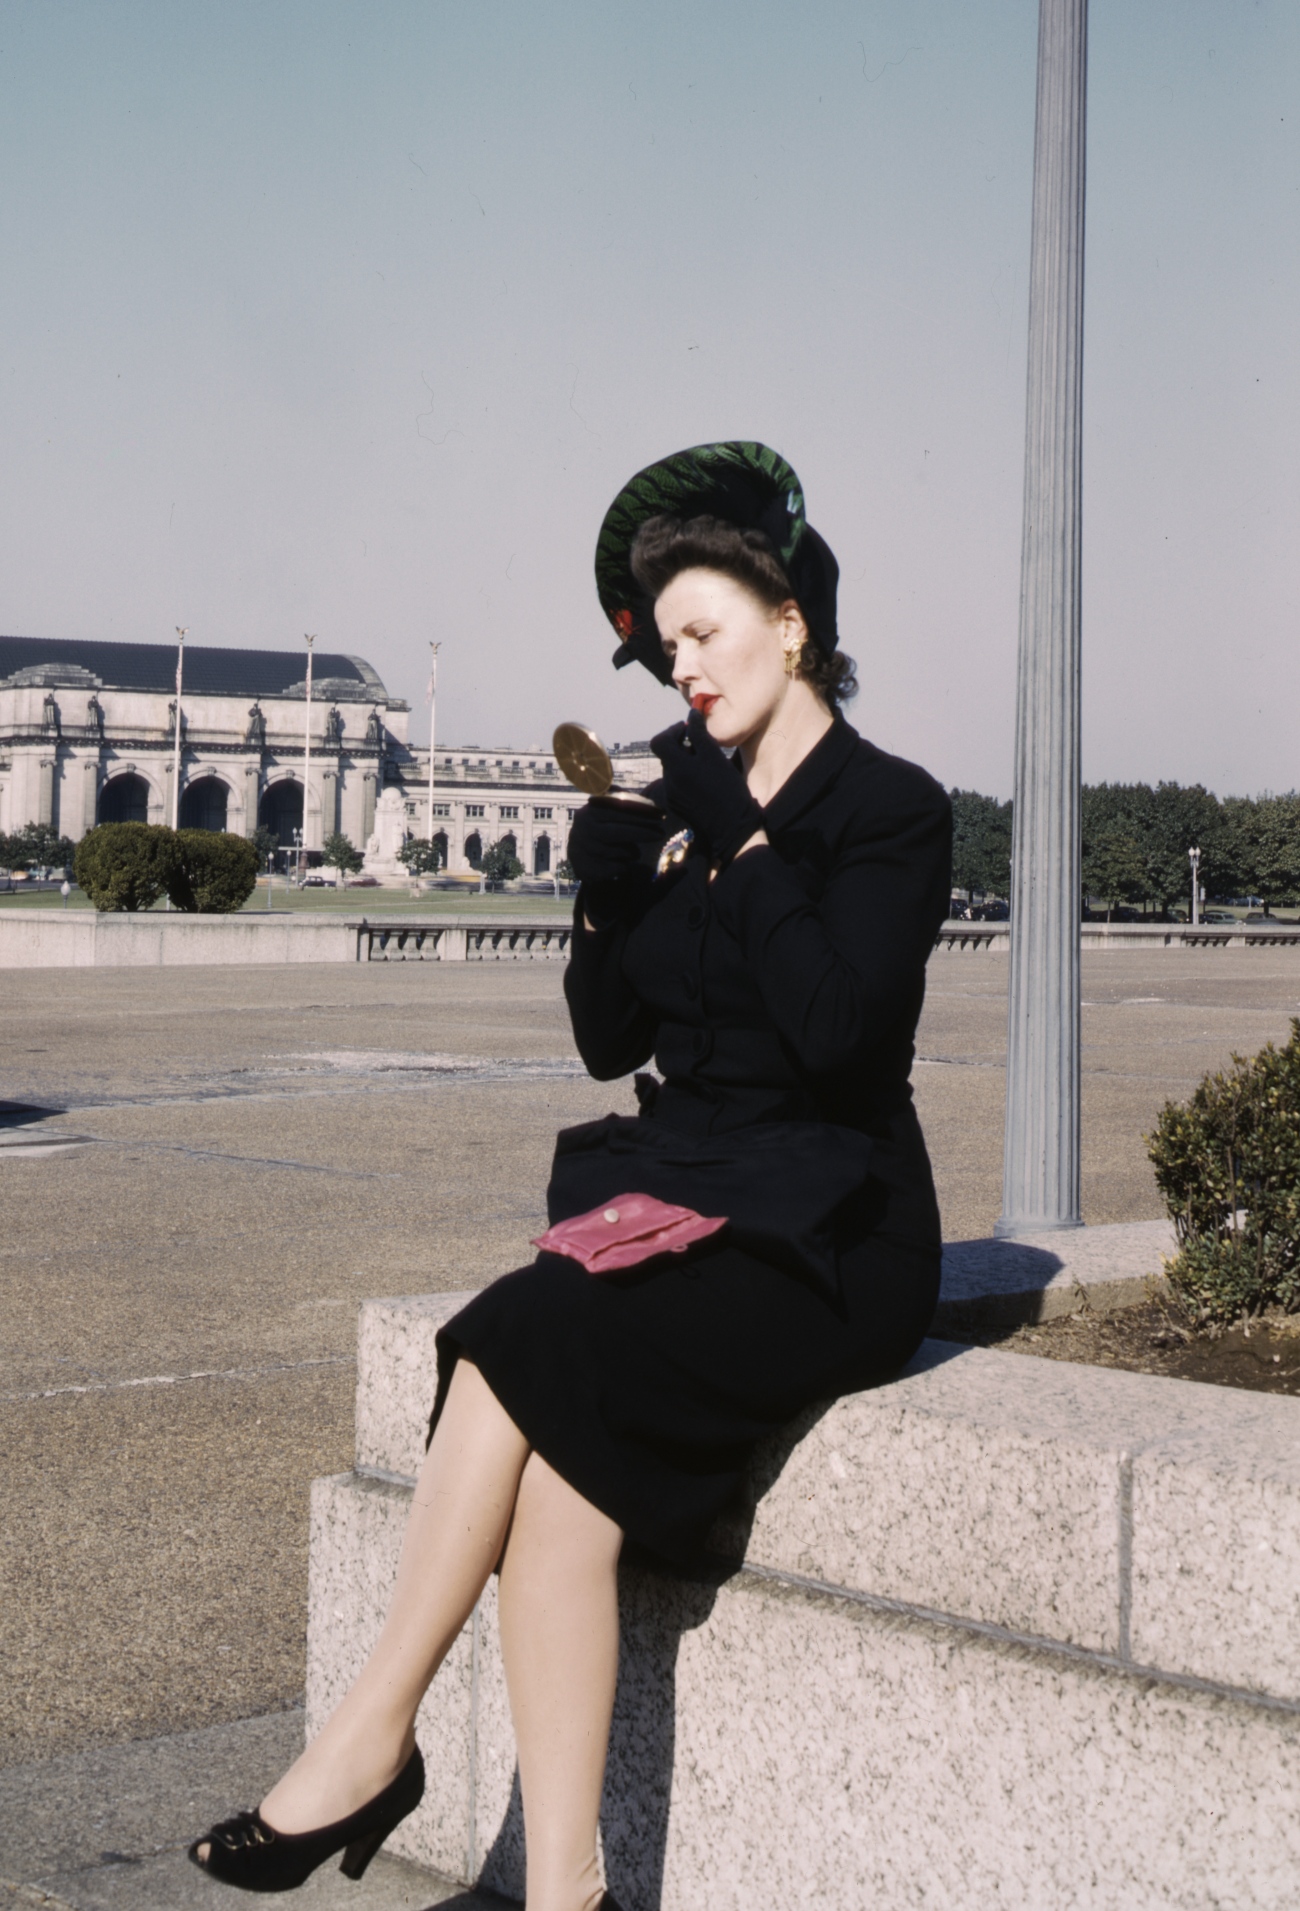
(474, 850)
(542, 856)
(205, 804)
(440, 846)
(280, 809)
(509, 844)
(124, 799)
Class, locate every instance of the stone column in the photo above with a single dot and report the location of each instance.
(329, 802)
(252, 791)
(368, 795)
(90, 795)
(1040, 1187)
(46, 799)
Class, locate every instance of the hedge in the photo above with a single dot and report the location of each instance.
(128, 866)
(214, 873)
(125, 866)
(1228, 1164)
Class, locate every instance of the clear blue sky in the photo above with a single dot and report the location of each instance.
(352, 318)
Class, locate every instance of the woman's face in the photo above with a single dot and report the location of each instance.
(728, 651)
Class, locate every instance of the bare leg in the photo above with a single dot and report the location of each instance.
(559, 1640)
(463, 1502)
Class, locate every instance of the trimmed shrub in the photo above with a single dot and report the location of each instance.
(1228, 1164)
(214, 873)
(125, 866)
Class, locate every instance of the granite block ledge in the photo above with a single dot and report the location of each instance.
(1004, 1631)
(1143, 1517)
(780, 1742)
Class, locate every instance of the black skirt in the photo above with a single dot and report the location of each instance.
(648, 1390)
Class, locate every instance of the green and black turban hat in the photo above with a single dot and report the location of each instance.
(745, 484)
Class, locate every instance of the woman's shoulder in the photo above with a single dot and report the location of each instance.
(876, 783)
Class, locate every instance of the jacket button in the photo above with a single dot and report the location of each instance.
(694, 916)
(611, 1215)
(691, 987)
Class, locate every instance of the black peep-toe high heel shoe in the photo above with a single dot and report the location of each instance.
(247, 1852)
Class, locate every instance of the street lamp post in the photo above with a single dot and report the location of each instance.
(1040, 1179)
(433, 711)
(1194, 858)
(306, 747)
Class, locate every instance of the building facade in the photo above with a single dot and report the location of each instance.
(518, 797)
(87, 735)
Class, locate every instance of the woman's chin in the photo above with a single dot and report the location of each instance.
(726, 732)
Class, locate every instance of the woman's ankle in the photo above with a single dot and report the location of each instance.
(347, 1764)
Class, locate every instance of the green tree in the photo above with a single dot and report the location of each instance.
(265, 842)
(500, 864)
(338, 853)
(422, 858)
(126, 866)
(1113, 866)
(38, 846)
(981, 843)
(1161, 824)
(213, 873)
(1265, 840)
(1178, 817)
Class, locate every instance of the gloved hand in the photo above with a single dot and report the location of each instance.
(706, 790)
(610, 841)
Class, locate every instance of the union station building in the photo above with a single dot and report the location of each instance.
(87, 735)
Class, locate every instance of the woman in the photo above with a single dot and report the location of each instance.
(762, 934)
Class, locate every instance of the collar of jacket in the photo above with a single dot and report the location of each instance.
(801, 789)
(820, 768)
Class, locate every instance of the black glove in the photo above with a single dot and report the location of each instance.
(706, 790)
(613, 848)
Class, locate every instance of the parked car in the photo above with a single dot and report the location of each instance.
(1217, 915)
(315, 882)
(363, 882)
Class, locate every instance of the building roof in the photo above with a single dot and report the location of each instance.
(208, 671)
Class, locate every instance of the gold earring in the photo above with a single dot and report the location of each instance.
(793, 659)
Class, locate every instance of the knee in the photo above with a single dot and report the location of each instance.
(550, 1512)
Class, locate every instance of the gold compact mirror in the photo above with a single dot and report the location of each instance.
(585, 762)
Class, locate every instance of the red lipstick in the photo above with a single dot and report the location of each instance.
(703, 702)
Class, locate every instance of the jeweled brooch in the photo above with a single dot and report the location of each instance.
(674, 851)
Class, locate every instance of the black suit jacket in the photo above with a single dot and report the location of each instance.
(788, 990)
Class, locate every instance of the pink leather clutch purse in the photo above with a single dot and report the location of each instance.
(627, 1230)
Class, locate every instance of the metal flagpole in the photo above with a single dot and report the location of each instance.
(181, 633)
(306, 756)
(433, 706)
(1040, 1183)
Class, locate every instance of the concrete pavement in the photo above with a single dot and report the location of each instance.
(268, 1147)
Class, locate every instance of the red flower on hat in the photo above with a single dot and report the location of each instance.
(623, 624)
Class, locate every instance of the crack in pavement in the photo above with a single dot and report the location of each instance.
(177, 1380)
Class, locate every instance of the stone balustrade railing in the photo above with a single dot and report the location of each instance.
(77, 938)
(498, 939)
(995, 937)
(1007, 1632)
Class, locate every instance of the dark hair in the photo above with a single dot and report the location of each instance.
(664, 546)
